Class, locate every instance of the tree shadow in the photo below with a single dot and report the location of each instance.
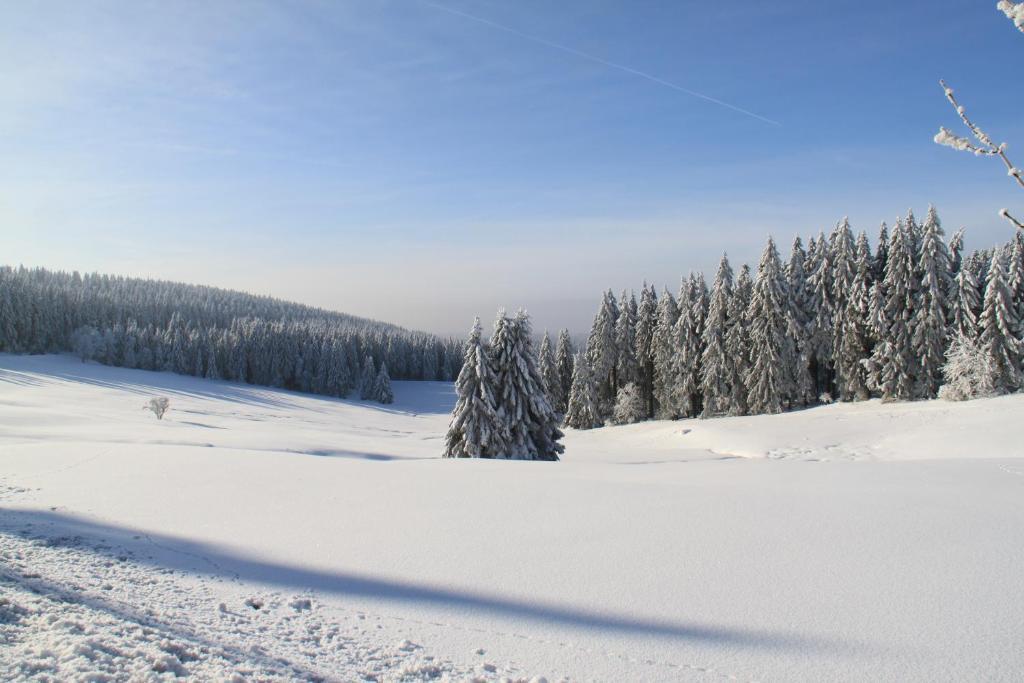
(203, 558)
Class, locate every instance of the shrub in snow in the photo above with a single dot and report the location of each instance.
(826, 399)
(629, 405)
(968, 371)
(158, 406)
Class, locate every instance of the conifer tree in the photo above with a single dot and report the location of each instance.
(799, 320)
(602, 351)
(855, 340)
(665, 350)
(822, 327)
(881, 252)
(999, 329)
(893, 365)
(549, 371)
(476, 429)
(583, 411)
(626, 369)
(768, 383)
(686, 363)
(646, 323)
(564, 359)
(382, 386)
(716, 376)
(737, 342)
(843, 258)
(367, 379)
(629, 405)
(965, 305)
(932, 311)
(532, 424)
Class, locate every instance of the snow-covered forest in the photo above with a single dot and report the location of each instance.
(839, 320)
(214, 333)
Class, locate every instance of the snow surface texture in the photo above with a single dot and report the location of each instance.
(261, 534)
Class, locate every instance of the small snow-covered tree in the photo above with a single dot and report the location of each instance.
(476, 429)
(967, 371)
(382, 386)
(629, 405)
(367, 379)
(158, 405)
(583, 411)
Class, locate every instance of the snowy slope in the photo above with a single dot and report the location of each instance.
(269, 534)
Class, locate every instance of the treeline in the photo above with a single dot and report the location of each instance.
(214, 333)
(837, 321)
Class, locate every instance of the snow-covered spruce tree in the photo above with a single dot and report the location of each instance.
(382, 392)
(881, 252)
(627, 371)
(737, 342)
(629, 405)
(768, 380)
(932, 311)
(603, 353)
(1000, 329)
(686, 363)
(564, 358)
(893, 363)
(367, 379)
(583, 412)
(855, 342)
(843, 259)
(798, 321)
(665, 350)
(549, 371)
(822, 328)
(965, 305)
(956, 252)
(967, 372)
(716, 376)
(532, 423)
(1015, 273)
(476, 429)
(646, 323)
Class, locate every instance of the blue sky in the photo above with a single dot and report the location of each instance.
(423, 162)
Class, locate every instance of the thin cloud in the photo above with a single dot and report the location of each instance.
(598, 60)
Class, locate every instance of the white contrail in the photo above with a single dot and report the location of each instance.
(597, 60)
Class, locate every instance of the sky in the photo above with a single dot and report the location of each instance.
(423, 162)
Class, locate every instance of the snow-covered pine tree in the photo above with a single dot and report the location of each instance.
(603, 353)
(382, 392)
(686, 399)
(843, 257)
(549, 371)
(881, 252)
(956, 252)
(737, 342)
(893, 367)
(583, 412)
(965, 304)
(626, 368)
(665, 349)
(716, 376)
(822, 328)
(629, 405)
(476, 429)
(855, 343)
(367, 379)
(646, 323)
(932, 310)
(564, 358)
(1015, 273)
(798, 321)
(999, 328)
(532, 423)
(768, 381)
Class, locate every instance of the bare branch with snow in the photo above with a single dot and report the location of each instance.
(1014, 11)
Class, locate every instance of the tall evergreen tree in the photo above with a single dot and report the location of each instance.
(737, 342)
(1000, 328)
(799, 320)
(627, 370)
(932, 310)
(476, 429)
(367, 379)
(716, 376)
(602, 351)
(382, 386)
(665, 350)
(549, 371)
(965, 305)
(894, 364)
(646, 323)
(768, 381)
(564, 358)
(855, 335)
(822, 328)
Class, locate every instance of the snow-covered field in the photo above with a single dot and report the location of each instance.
(261, 534)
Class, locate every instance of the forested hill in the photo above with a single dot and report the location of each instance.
(209, 332)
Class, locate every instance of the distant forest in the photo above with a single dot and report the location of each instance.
(211, 332)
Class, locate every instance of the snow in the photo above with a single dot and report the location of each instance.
(262, 534)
